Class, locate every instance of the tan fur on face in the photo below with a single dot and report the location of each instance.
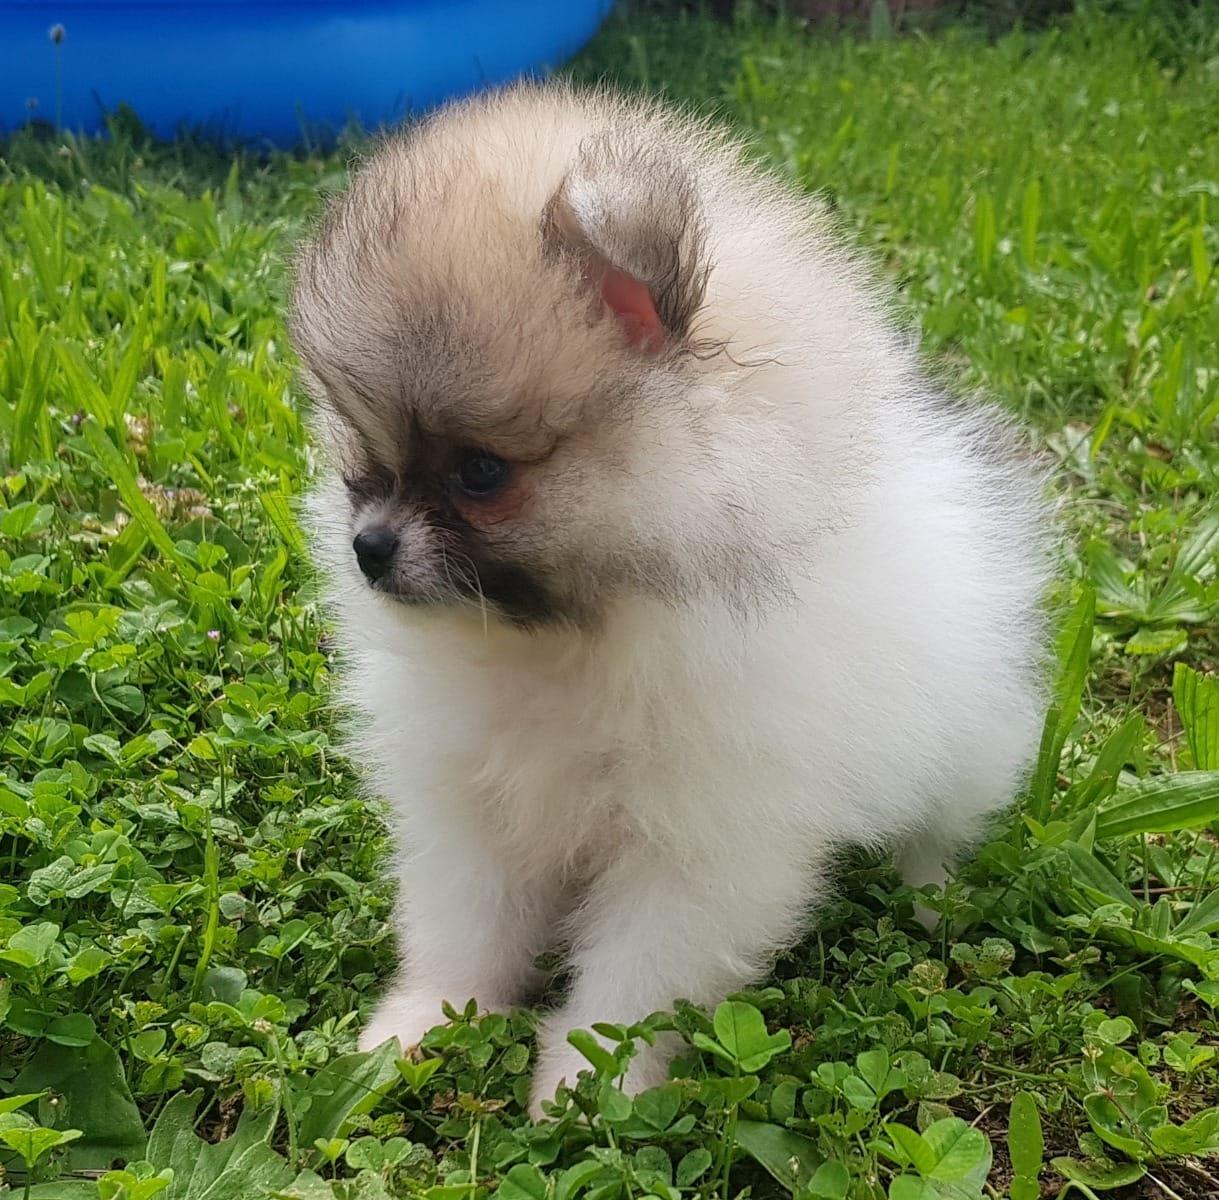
(428, 291)
(447, 296)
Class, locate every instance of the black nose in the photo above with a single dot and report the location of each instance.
(375, 550)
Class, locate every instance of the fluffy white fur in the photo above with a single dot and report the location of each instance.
(659, 791)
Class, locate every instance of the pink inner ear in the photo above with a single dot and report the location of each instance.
(631, 302)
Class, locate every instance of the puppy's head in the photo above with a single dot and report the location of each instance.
(499, 321)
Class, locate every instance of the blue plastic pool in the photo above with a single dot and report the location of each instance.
(266, 69)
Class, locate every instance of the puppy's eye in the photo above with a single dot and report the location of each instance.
(480, 473)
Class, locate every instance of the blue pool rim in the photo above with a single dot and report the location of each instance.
(258, 70)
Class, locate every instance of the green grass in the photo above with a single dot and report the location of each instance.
(191, 913)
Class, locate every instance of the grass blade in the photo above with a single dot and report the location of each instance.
(1163, 804)
(1075, 648)
(1197, 556)
(123, 388)
(985, 236)
(1030, 222)
(279, 513)
(1197, 699)
(29, 415)
(83, 388)
(1203, 917)
(1026, 1146)
(1117, 751)
(115, 466)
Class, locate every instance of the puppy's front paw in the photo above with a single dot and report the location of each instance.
(404, 1016)
(561, 1064)
(554, 1068)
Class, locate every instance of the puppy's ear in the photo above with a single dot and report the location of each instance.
(628, 218)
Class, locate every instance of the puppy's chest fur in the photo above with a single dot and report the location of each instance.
(556, 786)
(548, 765)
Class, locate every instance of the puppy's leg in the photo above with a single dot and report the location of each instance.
(653, 931)
(467, 931)
(928, 858)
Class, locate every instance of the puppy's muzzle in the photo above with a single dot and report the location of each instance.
(375, 549)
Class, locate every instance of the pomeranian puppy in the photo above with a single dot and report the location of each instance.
(660, 567)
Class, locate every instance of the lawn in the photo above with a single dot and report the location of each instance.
(192, 918)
